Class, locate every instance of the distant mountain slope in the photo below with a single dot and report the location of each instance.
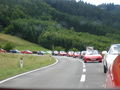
(112, 8)
(19, 43)
(91, 13)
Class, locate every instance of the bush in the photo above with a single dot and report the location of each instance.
(73, 49)
(8, 46)
(58, 48)
(0, 46)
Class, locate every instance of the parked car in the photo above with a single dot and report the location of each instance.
(92, 56)
(26, 52)
(55, 53)
(70, 53)
(82, 54)
(110, 55)
(48, 52)
(14, 51)
(113, 74)
(76, 54)
(2, 51)
(62, 53)
(41, 52)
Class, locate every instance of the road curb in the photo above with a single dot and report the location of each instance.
(29, 72)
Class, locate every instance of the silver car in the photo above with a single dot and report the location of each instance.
(110, 55)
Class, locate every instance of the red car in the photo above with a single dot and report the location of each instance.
(76, 54)
(62, 53)
(113, 74)
(92, 56)
(2, 51)
(26, 52)
(70, 53)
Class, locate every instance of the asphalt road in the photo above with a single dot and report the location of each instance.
(68, 73)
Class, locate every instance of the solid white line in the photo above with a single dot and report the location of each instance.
(84, 70)
(29, 72)
(83, 78)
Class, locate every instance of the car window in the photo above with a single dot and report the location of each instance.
(115, 49)
(94, 52)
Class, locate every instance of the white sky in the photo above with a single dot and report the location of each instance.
(97, 2)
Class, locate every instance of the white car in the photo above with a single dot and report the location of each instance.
(110, 55)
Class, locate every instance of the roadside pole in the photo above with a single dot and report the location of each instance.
(21, 62)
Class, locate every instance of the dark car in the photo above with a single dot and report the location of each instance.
(14, 51)
(41, 52)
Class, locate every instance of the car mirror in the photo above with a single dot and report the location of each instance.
(104, 52)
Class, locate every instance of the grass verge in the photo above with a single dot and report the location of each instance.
(10, 66)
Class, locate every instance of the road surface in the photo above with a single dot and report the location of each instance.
(68, 73)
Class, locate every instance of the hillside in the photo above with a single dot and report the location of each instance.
(112, 8)
(19, 43)
(88, 15)
(59, 23)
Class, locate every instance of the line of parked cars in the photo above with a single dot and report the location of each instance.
(16, 51)
(69, 53)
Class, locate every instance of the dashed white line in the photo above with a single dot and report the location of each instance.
(83, 78)
(83, 65)
(84, 70)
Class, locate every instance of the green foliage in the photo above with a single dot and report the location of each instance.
(65, 23)
(19, 43)
(85, 17)
(0, 46)
(58, 48)
(8, 46)
(69, 39)
(73, 49)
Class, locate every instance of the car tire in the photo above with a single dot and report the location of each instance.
(100, 61)
(105, 69)
(85, 61)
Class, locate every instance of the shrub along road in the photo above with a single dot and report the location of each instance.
(67, 73)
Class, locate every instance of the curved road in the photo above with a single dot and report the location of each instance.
(68, 73)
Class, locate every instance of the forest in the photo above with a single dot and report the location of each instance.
(61, 23)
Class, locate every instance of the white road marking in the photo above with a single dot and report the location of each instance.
(84, 70)
(83, 78)
(29, 72)
(84, 65)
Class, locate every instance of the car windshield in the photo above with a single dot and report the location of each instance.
(94, 52)
(115, 49)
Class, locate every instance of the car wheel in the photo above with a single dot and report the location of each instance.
(105, 69)
(85, 61)
(100, 61)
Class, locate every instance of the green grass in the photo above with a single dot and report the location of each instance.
(10, 66)
(19, 43)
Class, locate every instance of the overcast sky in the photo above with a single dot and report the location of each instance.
(97, 2)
